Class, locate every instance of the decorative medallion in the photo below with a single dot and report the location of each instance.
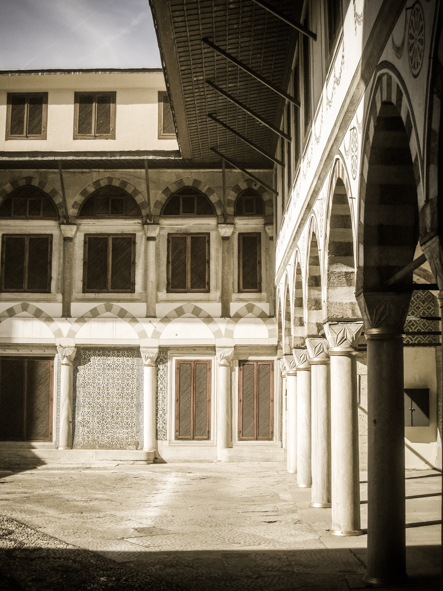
(354, 152)
(416, 39)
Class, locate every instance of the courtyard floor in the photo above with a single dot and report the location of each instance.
(200, 526)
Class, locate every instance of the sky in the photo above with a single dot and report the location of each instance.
(41, 34)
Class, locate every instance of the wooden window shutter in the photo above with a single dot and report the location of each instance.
(85, 114)
(12, 399)
(103, 114)
(122, 263)
(256, 401)
(199, 263)
(192, 400)
(13, 263)
(249, 263)
(39, 263)
(38, 421)
(17, 124)
(168, 122)
(95, 263)
(35, 115)
(416, 407)
(177, 257)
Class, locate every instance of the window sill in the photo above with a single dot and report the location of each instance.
(32, 297)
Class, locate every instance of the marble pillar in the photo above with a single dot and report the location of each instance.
(224, 411)
(68, 232)
(151, 232)
(284, 434)
(291, 415)
(67, 355)
(304, 469)
(149, 357)
(384, 315)
(345, 476)
(320, 423)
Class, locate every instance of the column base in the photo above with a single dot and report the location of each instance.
(337, 532)
(64, 448)
(292, 471)
(321, 505)
(385, 582)
(304, 485)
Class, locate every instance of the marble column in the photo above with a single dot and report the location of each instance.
(304, 469)
(67, 355)
(224, 412)
(68, 232)
(149, 357)
(227, 274)
(320, 412)
(345, 476)
(291, 415)
(284, 434)
(151, 233)
(384, 315)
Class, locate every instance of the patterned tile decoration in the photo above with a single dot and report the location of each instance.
(162, 389)
(423, 303)
(108, 398)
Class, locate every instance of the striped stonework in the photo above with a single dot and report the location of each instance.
(118, 311)
(40, 184)
(36, 312)
(181, 184)
(287, 322)
(250, 184)
(187, 310)
(115, 182)
(314, 302)
(391, 186)
(299, 330)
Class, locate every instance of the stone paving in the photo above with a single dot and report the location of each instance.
(205, 526)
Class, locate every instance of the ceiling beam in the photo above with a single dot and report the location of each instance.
(297, 26)
(249, 111)
(245, 139)
(249, 174)
(251, 72)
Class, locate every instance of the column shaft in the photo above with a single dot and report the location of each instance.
(321, 452)
(224, 415)
(67, 355)
(227, 274)
(386, 460)
(291, 434)
(304, 471)
(149, 407)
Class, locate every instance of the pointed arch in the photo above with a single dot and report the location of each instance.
(40, 184)
(115, 182)
(181, 184)
(314, 282)
(34, 311)
(250, 184)
(299, 328)
(183, 311)
(114, 309)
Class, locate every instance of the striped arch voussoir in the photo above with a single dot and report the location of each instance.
(37, 313)
(118, 311)
(115, 182)
(250, 184)
(44, 186)
(186, 310)
(181, 184)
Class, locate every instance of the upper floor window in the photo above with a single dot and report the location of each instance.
(333, 21)
(166, 129)
(28, 202)
(26, 115)
(249, 202)
(188, 263)
(188, 202)
(26, 263)
(94, 115)
(109, 263)
(249, 262)
(110, 201)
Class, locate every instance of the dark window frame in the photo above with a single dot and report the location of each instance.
(27, 96)
(162, 134)
(108, 288)
(94, 135)
(39, 195)
(256, 365)
(188, 237)
(187, 193)
(253, 196)
(26, 238)
(241, 236)
(126, 198)
(193, 363)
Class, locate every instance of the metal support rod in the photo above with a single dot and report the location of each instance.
(62, 185)
(249, 111)
(249, 174)
(297, 26)
(244, 139)
(251, 72)
(406, 270)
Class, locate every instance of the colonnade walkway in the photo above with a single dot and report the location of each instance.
(199, 526)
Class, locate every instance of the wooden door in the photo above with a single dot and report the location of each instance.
(256, 401)
(193, 399)
(26, 386)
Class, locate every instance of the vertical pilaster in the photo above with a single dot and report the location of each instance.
(345, 482)
(227, 270)
(67, 355)
(149, 357)
(384, 315)
(284, 421)
(320, 435)
(151, 232)
(291, 416)
(304, 469)
(224, 412)
(68, 232)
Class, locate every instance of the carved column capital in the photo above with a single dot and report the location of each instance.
(318, 350)
(290, 365)
(151, 231)
(67, 354)
(149, 356)
(224, 356)
(343, 335)
(226, 230)
(384, 313)
(301, 358)
(68, 231)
